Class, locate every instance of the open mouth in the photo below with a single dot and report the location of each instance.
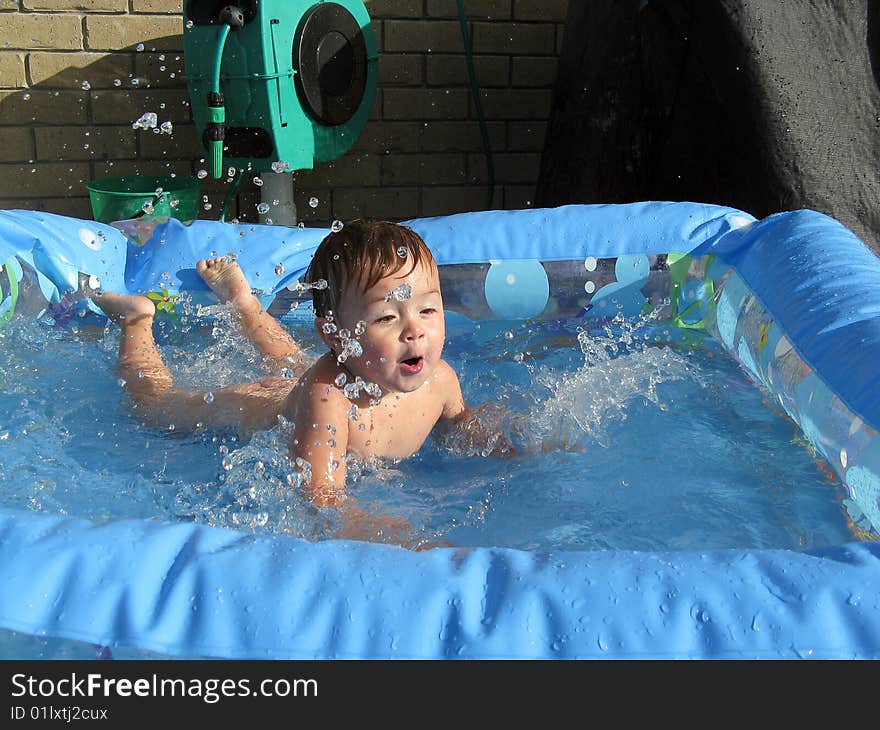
(412, 365)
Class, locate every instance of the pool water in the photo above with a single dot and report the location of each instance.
(623, 442)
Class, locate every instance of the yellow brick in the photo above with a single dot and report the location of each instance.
(435, 36)
(474, 9)
(117, 32)
(522, 38)
(406, 103)
(511, 167)
(69, 70)
(114, 168)
(89, 6)
(388, 203)
(160, 70)
(60, 32)
(158, 6)
(432, 169)
(459, 199)
(43, 107)
(540, 10)
(389, 137)
(121, 107)
(347, 171)
(69, 206)
(401, 69)
(183, 142)
(517, 197)
(43, 179)
(85, 143)
(459, 136)
(12, 70)
(16, 144)
(394, 8)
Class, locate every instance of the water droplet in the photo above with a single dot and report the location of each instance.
(301, 226)
(340, 379)
(360, 328)
(117, 82)
(231, 172)
(279, 269)
(209, 397)
(121, 382)
(280, 166)
(202, 174)
(590, 263)
(400, 293)
(313, 202)
(263, 208)
(258, 181)
(86, 86)
(139, 47)
(147, 207)
(226, 463)
(402, 252)
(189, 24)
(336, 226)
(147, 120)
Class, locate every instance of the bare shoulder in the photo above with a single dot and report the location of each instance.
(316, 394)
(445, 374)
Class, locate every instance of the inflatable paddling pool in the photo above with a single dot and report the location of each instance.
(794, 298)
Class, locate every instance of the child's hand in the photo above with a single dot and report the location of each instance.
(482, 431)
(360, 525)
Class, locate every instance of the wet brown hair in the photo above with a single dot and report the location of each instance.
(361, 253)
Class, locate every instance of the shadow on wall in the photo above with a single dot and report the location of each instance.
(76, 124)
(762, 106)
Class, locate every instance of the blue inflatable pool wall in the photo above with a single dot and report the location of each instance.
(795, 298)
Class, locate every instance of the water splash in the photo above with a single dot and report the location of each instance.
(148, 120)
(400, 293)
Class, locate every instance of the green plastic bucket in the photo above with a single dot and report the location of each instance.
(123, 198)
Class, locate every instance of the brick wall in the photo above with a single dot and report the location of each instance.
(74, 75)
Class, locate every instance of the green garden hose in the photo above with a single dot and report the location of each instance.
(475, 92)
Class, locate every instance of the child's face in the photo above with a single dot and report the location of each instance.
(405, 328)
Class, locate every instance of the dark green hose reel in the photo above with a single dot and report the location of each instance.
(278, 85)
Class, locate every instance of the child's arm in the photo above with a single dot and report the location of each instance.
(472, 430)
(318, 445)
(319, 441)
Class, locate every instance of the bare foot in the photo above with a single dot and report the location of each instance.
(225, 278)
(122, 307)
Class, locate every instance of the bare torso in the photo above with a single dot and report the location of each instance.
(395, 427)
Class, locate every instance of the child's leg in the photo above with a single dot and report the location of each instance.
(139, 362)
(227, 281)
(248, 406)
